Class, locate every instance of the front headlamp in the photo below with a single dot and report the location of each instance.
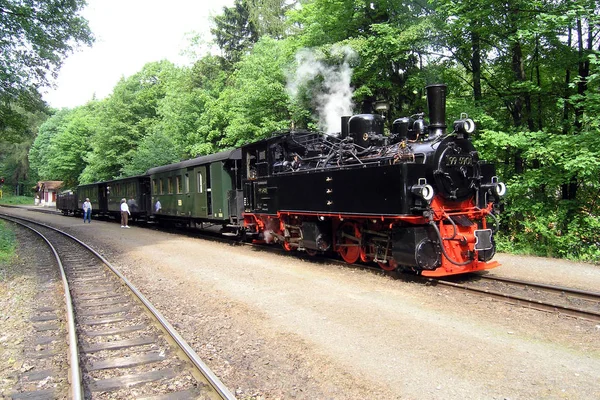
(423, 190)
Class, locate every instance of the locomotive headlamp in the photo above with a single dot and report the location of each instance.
(381, 106)
(423, 190)
(465, 125)
(500, 189)
(495, 187)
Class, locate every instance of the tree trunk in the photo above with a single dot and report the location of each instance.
(476, 65)
(567, 82)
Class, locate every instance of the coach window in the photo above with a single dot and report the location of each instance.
(187, 183)
(161, 185)
(170, 185)
(199, 181)
(179, 184)
(153, 186)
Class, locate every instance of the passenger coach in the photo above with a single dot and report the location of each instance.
(203, 189)
(105, 198)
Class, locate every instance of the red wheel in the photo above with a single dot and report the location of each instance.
(349, 253)
(287, 246)
(311, 252)
(391, 265)
(363, 254)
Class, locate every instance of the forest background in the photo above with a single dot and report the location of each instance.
(527, 72)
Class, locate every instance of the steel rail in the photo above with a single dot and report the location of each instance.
(536, 304)
(583, 294)
(215, 382)
(76, 386)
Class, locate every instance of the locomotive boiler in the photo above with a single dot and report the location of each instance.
(417, 199)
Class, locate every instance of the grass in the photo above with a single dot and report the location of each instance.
(7, 243)
(16, 200)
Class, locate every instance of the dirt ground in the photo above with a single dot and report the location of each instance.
(279, 327)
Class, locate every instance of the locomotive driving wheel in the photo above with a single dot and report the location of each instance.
(391, 265)
(348, 246)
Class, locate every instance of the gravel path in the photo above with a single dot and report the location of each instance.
(277, 327)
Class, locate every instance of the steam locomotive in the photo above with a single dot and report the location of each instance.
(418, 199)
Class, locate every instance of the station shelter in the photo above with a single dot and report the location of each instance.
(46, 192)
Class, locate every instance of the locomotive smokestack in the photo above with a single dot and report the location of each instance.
(436, 103)
(344, 132)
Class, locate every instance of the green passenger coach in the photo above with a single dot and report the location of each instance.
(203, 189)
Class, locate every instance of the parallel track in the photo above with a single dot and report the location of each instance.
(124, 347)
(568, 301)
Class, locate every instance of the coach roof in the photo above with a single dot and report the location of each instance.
(235, 154)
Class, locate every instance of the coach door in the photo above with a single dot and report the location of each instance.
(199, 192)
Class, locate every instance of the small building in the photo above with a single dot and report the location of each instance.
(46, 193)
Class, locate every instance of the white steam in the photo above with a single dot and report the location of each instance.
(333, 96)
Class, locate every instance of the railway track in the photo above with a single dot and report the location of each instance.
(568, 301)
(119, 345)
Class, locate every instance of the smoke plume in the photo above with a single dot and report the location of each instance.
(329, 85)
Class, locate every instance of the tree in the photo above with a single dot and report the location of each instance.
(268, 16)
(154, 150)
(234, 32)
(35, 37)
(41, 150)
(186, 100)
(128, 115)
(63, 143)
(14, 165)
(255, 102)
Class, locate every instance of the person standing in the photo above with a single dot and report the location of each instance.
(124, 213)
(87, 211)
(157, 206)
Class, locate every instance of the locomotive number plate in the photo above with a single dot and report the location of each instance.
(458, 160)
(483, 239)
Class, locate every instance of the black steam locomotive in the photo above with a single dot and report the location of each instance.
(417, 199)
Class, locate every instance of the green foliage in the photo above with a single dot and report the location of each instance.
(154, 150)
(35, 38)
(14, 165)
(36, 35)
(538, 218)
(13, 200)
(8, 243)
(235, 32)
(268, 16)
(128, 115)
(255, 99)
(63, 143)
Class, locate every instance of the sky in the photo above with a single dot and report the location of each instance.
(129, 34)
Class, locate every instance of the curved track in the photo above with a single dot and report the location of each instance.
(124, 347)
